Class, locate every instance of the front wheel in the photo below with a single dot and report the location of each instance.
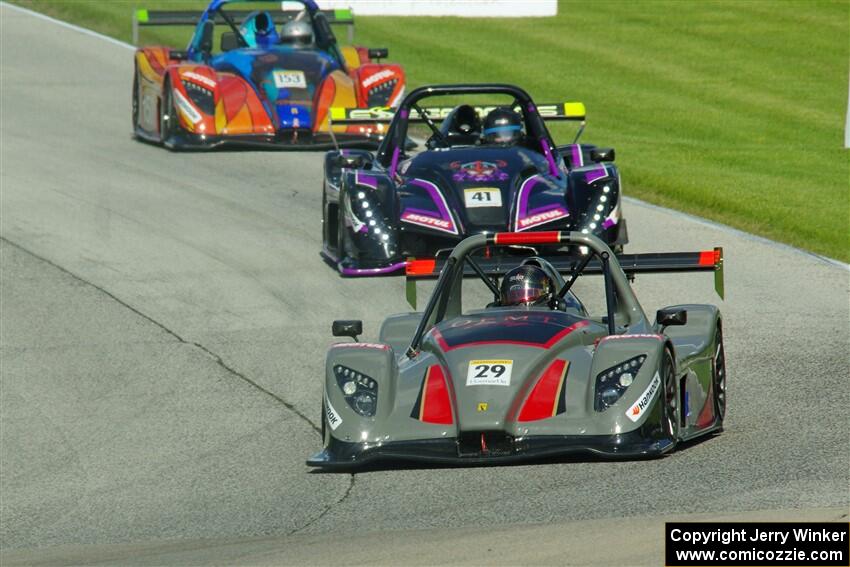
(135, 100)
(670, 416)
(167, 114)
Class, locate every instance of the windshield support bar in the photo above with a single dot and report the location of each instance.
(445, 278)
(431, 125)
(576, 273)
(609, 292)
(490, 283)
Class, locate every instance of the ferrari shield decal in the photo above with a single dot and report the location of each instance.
(489, 373)
(334, 420)
(642, 403)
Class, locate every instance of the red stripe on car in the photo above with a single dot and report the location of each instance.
(543, 401)
(436, 404)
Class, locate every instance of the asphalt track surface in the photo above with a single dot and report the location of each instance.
(165, 318)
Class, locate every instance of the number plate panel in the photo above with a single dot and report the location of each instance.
(482, 197)
(489, 372)
(290, 79)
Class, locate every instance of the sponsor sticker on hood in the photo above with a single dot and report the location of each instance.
(289, 79)
(482, 197)
(643, 401)
(489, 373)
(186, 108)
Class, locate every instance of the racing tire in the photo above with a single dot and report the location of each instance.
(135, 104)
(322, 420)
(670, 399)
(325, 216)
(340, 231)
(167, 114)
(718, 377)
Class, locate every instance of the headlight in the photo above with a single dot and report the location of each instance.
(613, 382)
(200, 96)
(360, 391)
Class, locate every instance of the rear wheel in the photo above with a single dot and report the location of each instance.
(670, 417)
(719, 377)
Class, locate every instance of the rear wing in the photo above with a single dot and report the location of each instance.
(384, 114)
(144, 17)
(632, 264)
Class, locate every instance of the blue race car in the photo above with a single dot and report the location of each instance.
(266, 77)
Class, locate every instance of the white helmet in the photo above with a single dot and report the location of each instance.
(297, 33)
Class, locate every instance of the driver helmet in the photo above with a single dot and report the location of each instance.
(296, 33)
(526, 285)
(258, 30)
(502, 126)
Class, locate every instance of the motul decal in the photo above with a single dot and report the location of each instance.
(635, 336)
(380, 75)
(362, 345)
(198, 78)
(334, 420)
(424, 220)
(542, 217)
(643, 401)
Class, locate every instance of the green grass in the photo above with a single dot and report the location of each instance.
(731, 110)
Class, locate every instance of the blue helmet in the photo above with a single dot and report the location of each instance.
(502, 126)
(258, 30)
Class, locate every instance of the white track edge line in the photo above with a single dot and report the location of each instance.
(699, 220)
(68, 25)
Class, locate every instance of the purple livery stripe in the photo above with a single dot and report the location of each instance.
(598, 172)
(420, 217)
(372, 271)
(365, 180)
(553, 169)
(394, 162)
(578, 156)
(526, 219)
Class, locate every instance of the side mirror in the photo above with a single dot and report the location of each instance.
(602, 154)
(671, 316)
(378, 52)
(206, 43)
(177, 55)
(229, 42)
(352, 328)
(351, 161)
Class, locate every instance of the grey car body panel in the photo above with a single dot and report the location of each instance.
(532, 339)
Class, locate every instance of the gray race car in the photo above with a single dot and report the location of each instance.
(516, 381)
